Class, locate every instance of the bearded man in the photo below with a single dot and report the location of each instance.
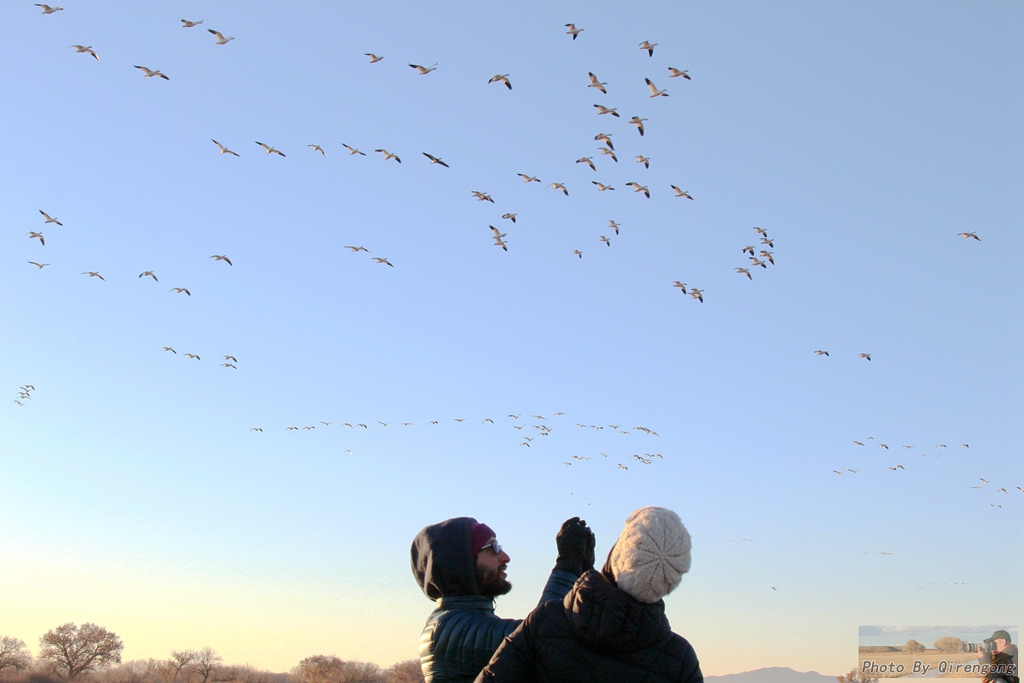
(460, 564)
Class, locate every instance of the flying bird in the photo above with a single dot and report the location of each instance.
(501, 78)
(559, 186)
(865, 355)
(185, 23)
(767, 255)
(355, 249)
(256, 429)
(149, 73)
(601, 187)
(148, 273)
(577, 252)
(674, 73)
(608, 152)
(819, 352)
(509, 216)
(180, 290)
(434, 160)
(49, 10)
(528, 178)
(588, 161)
(639, 123)
(32, 235)
(230, 358)
(373, 58)
(594, 83)
(352, 150)
(969, 235)
(223, 149)
(746, 272)
(222, 257)
(606, 138)
(681, 193)
(168, 348)
(614, 226)
(318, 148)
(93, 273)
(383, 261)
(228, 365)
(573, 31)
(697, 294)
(40, 266)
(221, 40)
(757, 262)
(50, 220)
(388, 155)
(649, 47)
(423, 70)
(86, 49)
(641, 159)
(601, 109)
(483, 196)
(654, 89)
(268, 149)
(637, 187)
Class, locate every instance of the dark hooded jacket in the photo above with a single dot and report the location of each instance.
(462, 632)
(598, 634)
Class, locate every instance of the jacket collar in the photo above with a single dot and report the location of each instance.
(481, 602)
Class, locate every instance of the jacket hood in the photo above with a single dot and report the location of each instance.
(442, 559)
(607, 618)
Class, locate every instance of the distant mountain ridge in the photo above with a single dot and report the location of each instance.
(772, 674)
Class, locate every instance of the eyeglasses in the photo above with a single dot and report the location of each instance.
(493, 545)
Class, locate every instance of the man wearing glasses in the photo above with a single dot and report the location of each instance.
(459, 564)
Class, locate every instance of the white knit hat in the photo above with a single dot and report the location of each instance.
(651, 555)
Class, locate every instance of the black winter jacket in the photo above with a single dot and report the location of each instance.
(463, 632)
(598, 634)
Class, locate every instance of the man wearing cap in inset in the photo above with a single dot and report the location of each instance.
(611, 627)
(459, 563)
(1001, 660)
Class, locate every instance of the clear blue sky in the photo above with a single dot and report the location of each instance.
(862, 137)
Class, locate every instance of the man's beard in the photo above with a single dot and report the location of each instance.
(490, 583)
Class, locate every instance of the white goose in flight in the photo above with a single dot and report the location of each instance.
(654, 89)
(221, 40)
(87, 49)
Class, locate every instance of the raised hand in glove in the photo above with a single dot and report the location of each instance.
(575, 543)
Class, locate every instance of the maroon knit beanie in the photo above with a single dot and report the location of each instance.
(478, 535)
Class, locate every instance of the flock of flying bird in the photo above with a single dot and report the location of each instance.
(759, 259)
(543, 430)
(47, 219)
(759, 256)
(900, 468)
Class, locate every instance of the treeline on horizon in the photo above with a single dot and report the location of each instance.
(92, 654)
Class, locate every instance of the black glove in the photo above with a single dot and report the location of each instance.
(575, 543)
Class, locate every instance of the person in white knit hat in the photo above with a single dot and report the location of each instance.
(611, 627)
(651, 556)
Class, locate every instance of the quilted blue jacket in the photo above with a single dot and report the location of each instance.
(463, 632)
